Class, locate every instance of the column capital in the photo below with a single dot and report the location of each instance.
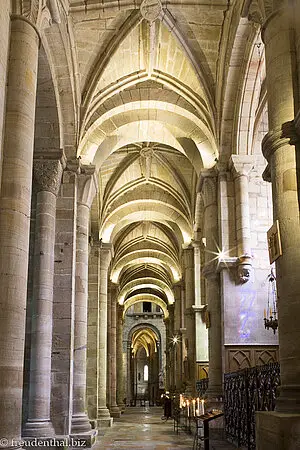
(38, 13)
(207, 185)
(241, 165)
(291, 130)
(273, 140)
(47, 173)
(87, 185)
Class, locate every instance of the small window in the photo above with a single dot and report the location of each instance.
(146, 373)
(146, 307)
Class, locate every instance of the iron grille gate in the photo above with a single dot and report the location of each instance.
(245, 392)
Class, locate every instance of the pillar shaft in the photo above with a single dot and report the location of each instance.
(241, 166)
(15, 218)
(93, 331)
(109, 338)
(177, 355)
(189, 317)
(282, 162)
(120, 359)
(113, 407)
(209, 193)
(47, 176)
(201, 330)
(80, 421)
(64, 302)
(105, 258)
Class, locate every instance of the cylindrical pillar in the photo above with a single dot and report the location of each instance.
(209, 193)
(15, 199)
(47, 177)
(282, 162)
(177, 353)
(241, 166)
(189, 317)
(80, 420)
(113, 407)
(105, 258)
(108, 377)
(87, 186)
(120, 359)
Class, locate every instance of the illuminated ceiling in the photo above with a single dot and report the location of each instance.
(149, 91)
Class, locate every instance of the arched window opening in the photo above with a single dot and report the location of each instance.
(146, 372)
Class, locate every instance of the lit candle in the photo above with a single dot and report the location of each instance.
(180, 401)
(194, 407)
(188, 408)
(198, 403)
(202, 407)
(197, 412)
(265, 314)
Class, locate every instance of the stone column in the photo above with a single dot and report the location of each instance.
(183, 349)
(113, 407)
(241, 165)
(62, 364)
(15, 201)
(108, 377)
(93, 330)
(130, 391)
(47, 178)
(168, 363)
(282, 164)
(120, 359)
(208, 186)
(189, 317)
(87, 186)
(199, 310)
(281, 78)
(177, 355)
(172, 346)
(104, 418)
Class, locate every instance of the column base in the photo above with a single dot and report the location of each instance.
(39, 429)
(115, 412)
(104, 419)
(122, 407)
(84, 440)
(80, 424)
(277, 431)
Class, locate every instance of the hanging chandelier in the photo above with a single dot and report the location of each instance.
(270, 314)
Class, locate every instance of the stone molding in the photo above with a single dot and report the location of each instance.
(47, 174)
(241, 165)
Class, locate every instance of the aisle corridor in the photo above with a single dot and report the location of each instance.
(142, 428)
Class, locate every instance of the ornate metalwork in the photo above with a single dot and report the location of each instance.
(246, 392)
(201, 386)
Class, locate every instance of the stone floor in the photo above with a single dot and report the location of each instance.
(142, 428)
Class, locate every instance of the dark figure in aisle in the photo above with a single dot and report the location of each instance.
(167, 406)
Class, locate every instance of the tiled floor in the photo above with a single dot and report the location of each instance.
(142, 428)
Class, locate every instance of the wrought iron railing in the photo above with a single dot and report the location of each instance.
(201, 386)
(245, 392)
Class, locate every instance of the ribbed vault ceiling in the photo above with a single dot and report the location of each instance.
(149, 126)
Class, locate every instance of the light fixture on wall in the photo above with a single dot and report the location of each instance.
(270, 315)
